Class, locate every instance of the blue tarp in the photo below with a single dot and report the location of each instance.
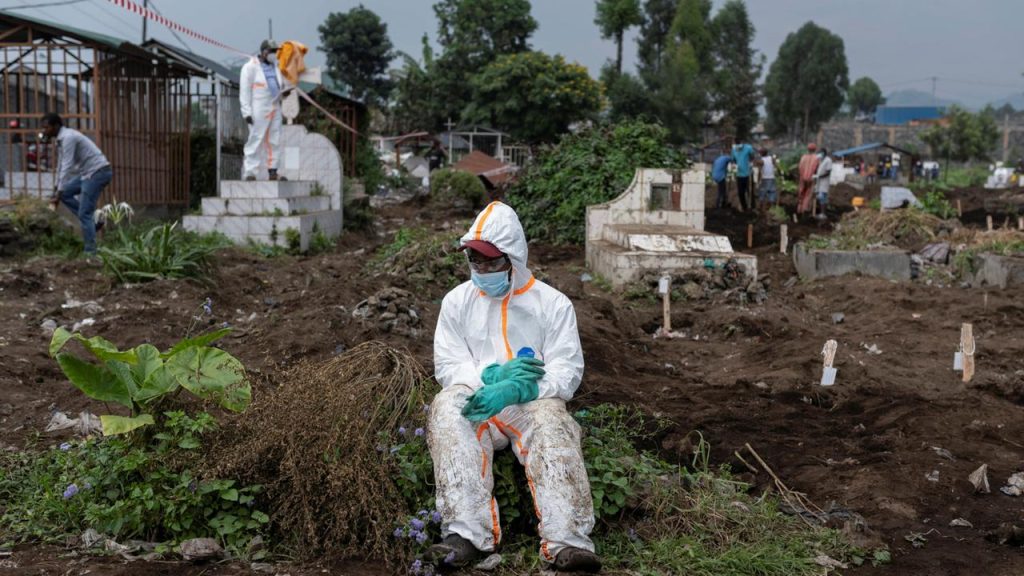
(895, 115)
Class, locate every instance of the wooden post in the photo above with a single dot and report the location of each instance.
(665, 287)
(1006, 223)
(794, 218)
(959, 209)
(988, 222)
(750, 235)
(1020, 223)
(967, 348)
(783, 238)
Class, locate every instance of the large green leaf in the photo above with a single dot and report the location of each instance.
(96, 382)
(123, 372)
(159, 382)
(148, 362)
(212, 374)
(60, 338)
(99, 346)
(200, 340)
(113, 425)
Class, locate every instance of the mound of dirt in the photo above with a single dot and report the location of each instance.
(314, 443)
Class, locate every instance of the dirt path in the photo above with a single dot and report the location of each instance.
(743, 374)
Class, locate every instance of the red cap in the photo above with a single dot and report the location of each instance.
(482, 246)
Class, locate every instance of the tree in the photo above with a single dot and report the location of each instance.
(864, 96)
(680, 88)
(964, 137)
(473, 34)
(533, 96)
(614, 17)
(806, 82)
(358, 52)
(413, 102)
(736, 93)
(654, 30)
(627, 96)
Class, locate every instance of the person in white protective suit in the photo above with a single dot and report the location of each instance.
(262, 87)
(507, 355)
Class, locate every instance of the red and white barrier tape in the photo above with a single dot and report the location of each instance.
(150, 14)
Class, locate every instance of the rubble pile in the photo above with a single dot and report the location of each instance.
(701, 283)
(391, 310)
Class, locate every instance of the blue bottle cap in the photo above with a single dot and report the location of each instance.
(526, 352)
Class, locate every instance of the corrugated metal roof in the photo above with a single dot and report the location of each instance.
(65, 30)
(859, 149)
(895, 115)
(485, 166)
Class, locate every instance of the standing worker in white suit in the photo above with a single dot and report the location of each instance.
(507, 354)
(262, 87)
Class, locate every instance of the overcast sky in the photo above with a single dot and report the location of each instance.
(974, 47)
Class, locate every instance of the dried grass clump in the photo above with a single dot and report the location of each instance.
(316, 446)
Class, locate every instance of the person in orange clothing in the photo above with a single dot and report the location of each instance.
(808, 170)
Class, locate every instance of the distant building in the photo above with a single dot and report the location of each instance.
(903, 115)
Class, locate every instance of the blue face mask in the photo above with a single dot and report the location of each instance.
(494, 284)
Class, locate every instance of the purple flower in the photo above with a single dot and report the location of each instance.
(224, 325)
(87, 486)
(208, 307)
(450, 557)
(421, 537)
(633, 535)
(426, 408)
(65, 446)
(413, 533)
(418, 432)
(423, 513)
(70, 491)
(399, 533)
(401, 430)
(416, 567)
(417, 524)
(435, 517)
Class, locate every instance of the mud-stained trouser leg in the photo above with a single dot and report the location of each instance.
(462, 455)
(546, 440)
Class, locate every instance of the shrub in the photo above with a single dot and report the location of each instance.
(142, 488)
(934, 202)
(592, 166)
(141, 254)
(420, 258)
(458, 188)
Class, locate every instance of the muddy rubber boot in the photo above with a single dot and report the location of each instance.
(577, 560)
(453, 552)
(273, 175)
(250, 177)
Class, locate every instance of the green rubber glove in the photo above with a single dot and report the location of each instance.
(514, 369)
(490, 400)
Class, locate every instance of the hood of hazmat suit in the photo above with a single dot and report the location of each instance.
(475, 330)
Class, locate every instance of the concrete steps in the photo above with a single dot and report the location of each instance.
(268, 212)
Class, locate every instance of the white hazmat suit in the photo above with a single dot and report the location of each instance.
(256, 100)
(474, 331)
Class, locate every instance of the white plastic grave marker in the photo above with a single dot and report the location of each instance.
(828, 373)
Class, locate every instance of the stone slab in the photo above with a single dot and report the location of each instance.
(812, 264)
(999, 271)
(620, 265)
(265, 188)
(214, 206)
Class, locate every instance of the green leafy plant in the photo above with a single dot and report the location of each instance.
(141, 377)
(124, 489)
(158, 251)
(456, 187)
(934, 202)
(592, 166)
(293, 240)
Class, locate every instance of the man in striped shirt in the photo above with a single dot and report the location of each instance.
(82, 174)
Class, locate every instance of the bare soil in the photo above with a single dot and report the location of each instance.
(744, 374)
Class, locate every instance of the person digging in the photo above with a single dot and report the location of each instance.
(508, 357)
